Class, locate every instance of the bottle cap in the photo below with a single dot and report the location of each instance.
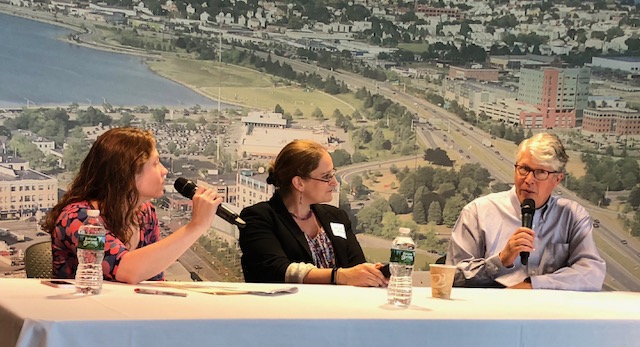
(93, 213)
(404, 230)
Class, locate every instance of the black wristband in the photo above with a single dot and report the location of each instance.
(334, 272)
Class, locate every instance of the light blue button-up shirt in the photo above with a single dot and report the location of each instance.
(564, 256)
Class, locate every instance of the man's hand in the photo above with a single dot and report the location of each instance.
(520, 241)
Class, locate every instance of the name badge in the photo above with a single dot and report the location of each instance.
(338, 230)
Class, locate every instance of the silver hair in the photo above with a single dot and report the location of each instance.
(546, 149)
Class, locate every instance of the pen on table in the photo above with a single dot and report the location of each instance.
(158, 292)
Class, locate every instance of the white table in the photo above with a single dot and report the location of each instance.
(318, 315)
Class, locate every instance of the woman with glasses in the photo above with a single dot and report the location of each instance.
(295, 237)
(119, 176)
(488, 238)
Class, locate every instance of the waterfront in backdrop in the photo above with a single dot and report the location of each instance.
(39, 69)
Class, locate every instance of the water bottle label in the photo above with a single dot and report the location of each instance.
(91, 242)
(402, 256)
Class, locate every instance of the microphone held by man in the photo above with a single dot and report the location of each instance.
(187, 188)
(528, 209)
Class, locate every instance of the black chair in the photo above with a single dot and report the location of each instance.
(38, 260)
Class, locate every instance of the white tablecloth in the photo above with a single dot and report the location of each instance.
(318, 315)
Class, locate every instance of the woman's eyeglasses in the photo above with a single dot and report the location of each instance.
(326, 178)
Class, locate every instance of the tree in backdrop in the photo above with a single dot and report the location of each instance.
(398, 204)
(634, 198)
(159, 115)
(613, 174)
(452, 210)
(500, 187)
(193, 149)
(370, 217)
(424, 176)
(288, 117)
(345, 205)
(446, 190)
(339, 117)
(391, 223)
(210, 149)
(317, 113)
(408, 186)
(75, 151)
(445, 176)
(52, 124)
(361, 137)
(476, 172)
(125, 119)
(340, 157)
(518, 135)
(172, 146)
(378, 140)
(357, 187)
(590, 189)
(93, 116)
(435, 213)
(419, 214)
(26, 149)
(437, 156)
(468, 187)
(331, 87)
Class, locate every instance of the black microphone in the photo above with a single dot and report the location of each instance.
(188, 188)
(528, 209)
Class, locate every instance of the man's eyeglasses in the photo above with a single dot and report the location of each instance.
(539, 174)
(326, 178)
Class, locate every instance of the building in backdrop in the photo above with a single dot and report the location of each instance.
(24, 193)
(265, 134)
(474, 72)
(560, 94)
(516, 62)
(628, 64)
(511, 111)
(611, 121)
(471, 94)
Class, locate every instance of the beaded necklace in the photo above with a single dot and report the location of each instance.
(302, 218)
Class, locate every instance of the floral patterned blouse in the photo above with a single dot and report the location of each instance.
(321, 250)
(64, 241)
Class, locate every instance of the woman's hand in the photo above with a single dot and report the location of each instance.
(205, 204)
(362, 275)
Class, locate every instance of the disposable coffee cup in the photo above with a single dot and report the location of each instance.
(441, 280)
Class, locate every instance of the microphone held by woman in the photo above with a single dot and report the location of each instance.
(187, 188)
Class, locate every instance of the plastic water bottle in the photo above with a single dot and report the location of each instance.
(401, 266)
(90, 251)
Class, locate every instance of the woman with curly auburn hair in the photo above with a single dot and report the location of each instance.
(119, 176)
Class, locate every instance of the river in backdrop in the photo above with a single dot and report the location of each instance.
(39, 69)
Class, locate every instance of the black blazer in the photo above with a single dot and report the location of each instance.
(272, 240)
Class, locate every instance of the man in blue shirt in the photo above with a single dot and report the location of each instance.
(488, 237)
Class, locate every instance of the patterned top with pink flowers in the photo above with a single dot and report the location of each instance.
(64, 241)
